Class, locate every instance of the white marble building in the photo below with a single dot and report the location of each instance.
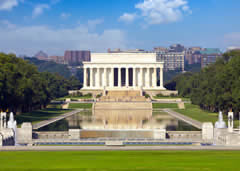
(114, 71)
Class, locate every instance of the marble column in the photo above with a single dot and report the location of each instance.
(127, 77)
(85, 77)
(154, 77)
(104, 84)
(161, 77)
(98, 78)
(119, 78)
(147, 79)
(91, 77)
(134, 77)
(141, 78)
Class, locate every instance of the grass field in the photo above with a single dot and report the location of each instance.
(40, 115)
(194, 111)
(164, 105)
(120, 160)
(80, 105)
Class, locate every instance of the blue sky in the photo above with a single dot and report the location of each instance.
(27, 26)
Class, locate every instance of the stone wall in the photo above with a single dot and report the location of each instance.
(24, 134)
(184, 135)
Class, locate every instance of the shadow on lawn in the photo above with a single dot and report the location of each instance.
(40, 115)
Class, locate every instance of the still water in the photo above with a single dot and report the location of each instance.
(120, 120)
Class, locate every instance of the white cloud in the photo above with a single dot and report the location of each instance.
(65, 15)
(8, 4)
(160, 11)
(127, 17)
(93, 23)
(232, 39)
(28, 40)
(38, 10)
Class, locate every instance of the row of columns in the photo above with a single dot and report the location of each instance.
(111, 82)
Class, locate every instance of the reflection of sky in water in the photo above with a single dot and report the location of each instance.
(120, 119)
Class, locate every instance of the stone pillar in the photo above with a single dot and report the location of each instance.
(104, 83)
(112, 77)
(147, 79)
(91, 77)
(154, 78)
(98, 78)
(134, 77)
(119, 77)
(127, 77)
(85, 77)
(161, 77)
(207, 131)
(141, 78)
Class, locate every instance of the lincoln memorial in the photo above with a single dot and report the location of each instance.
(123, 71)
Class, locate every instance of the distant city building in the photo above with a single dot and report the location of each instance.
(160, 49)
(74, 58)
(172, 57)
(126, 51)
(57, 59)
(172, 60)
(41, 56)
(209, 56)
(233, 48)
(193, 55)
(176, 48)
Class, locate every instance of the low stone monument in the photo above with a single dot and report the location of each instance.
(74, 134)
(207, 131)
(159, 134)
(25, 133)
(230, 121)
(68, 100)
(220, 123)
(65, 106)
(181, 105)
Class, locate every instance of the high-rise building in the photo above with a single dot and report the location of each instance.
(126, 51)
(172, 57)
(176, 48)
(172, 60)
(74, 58)
(193, 55)
(209, 56)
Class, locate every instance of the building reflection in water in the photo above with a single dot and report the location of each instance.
(122, 119)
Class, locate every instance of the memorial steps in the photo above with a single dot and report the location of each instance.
(123, 100)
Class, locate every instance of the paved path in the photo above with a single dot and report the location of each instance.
(117, 148)
(186, 119)
(47, 122)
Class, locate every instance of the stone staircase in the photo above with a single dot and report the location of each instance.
(123, 100)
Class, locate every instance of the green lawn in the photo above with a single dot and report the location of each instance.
(80, 105)
(169, 97)
(120, 160)
(164, 105)
(40, 115)
(73, 98)
(194, 111)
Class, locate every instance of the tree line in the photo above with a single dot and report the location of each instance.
(214, 88)
(23, 88)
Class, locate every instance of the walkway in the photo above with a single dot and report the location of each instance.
(184, 118)
(47, 122)
(117, 148)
